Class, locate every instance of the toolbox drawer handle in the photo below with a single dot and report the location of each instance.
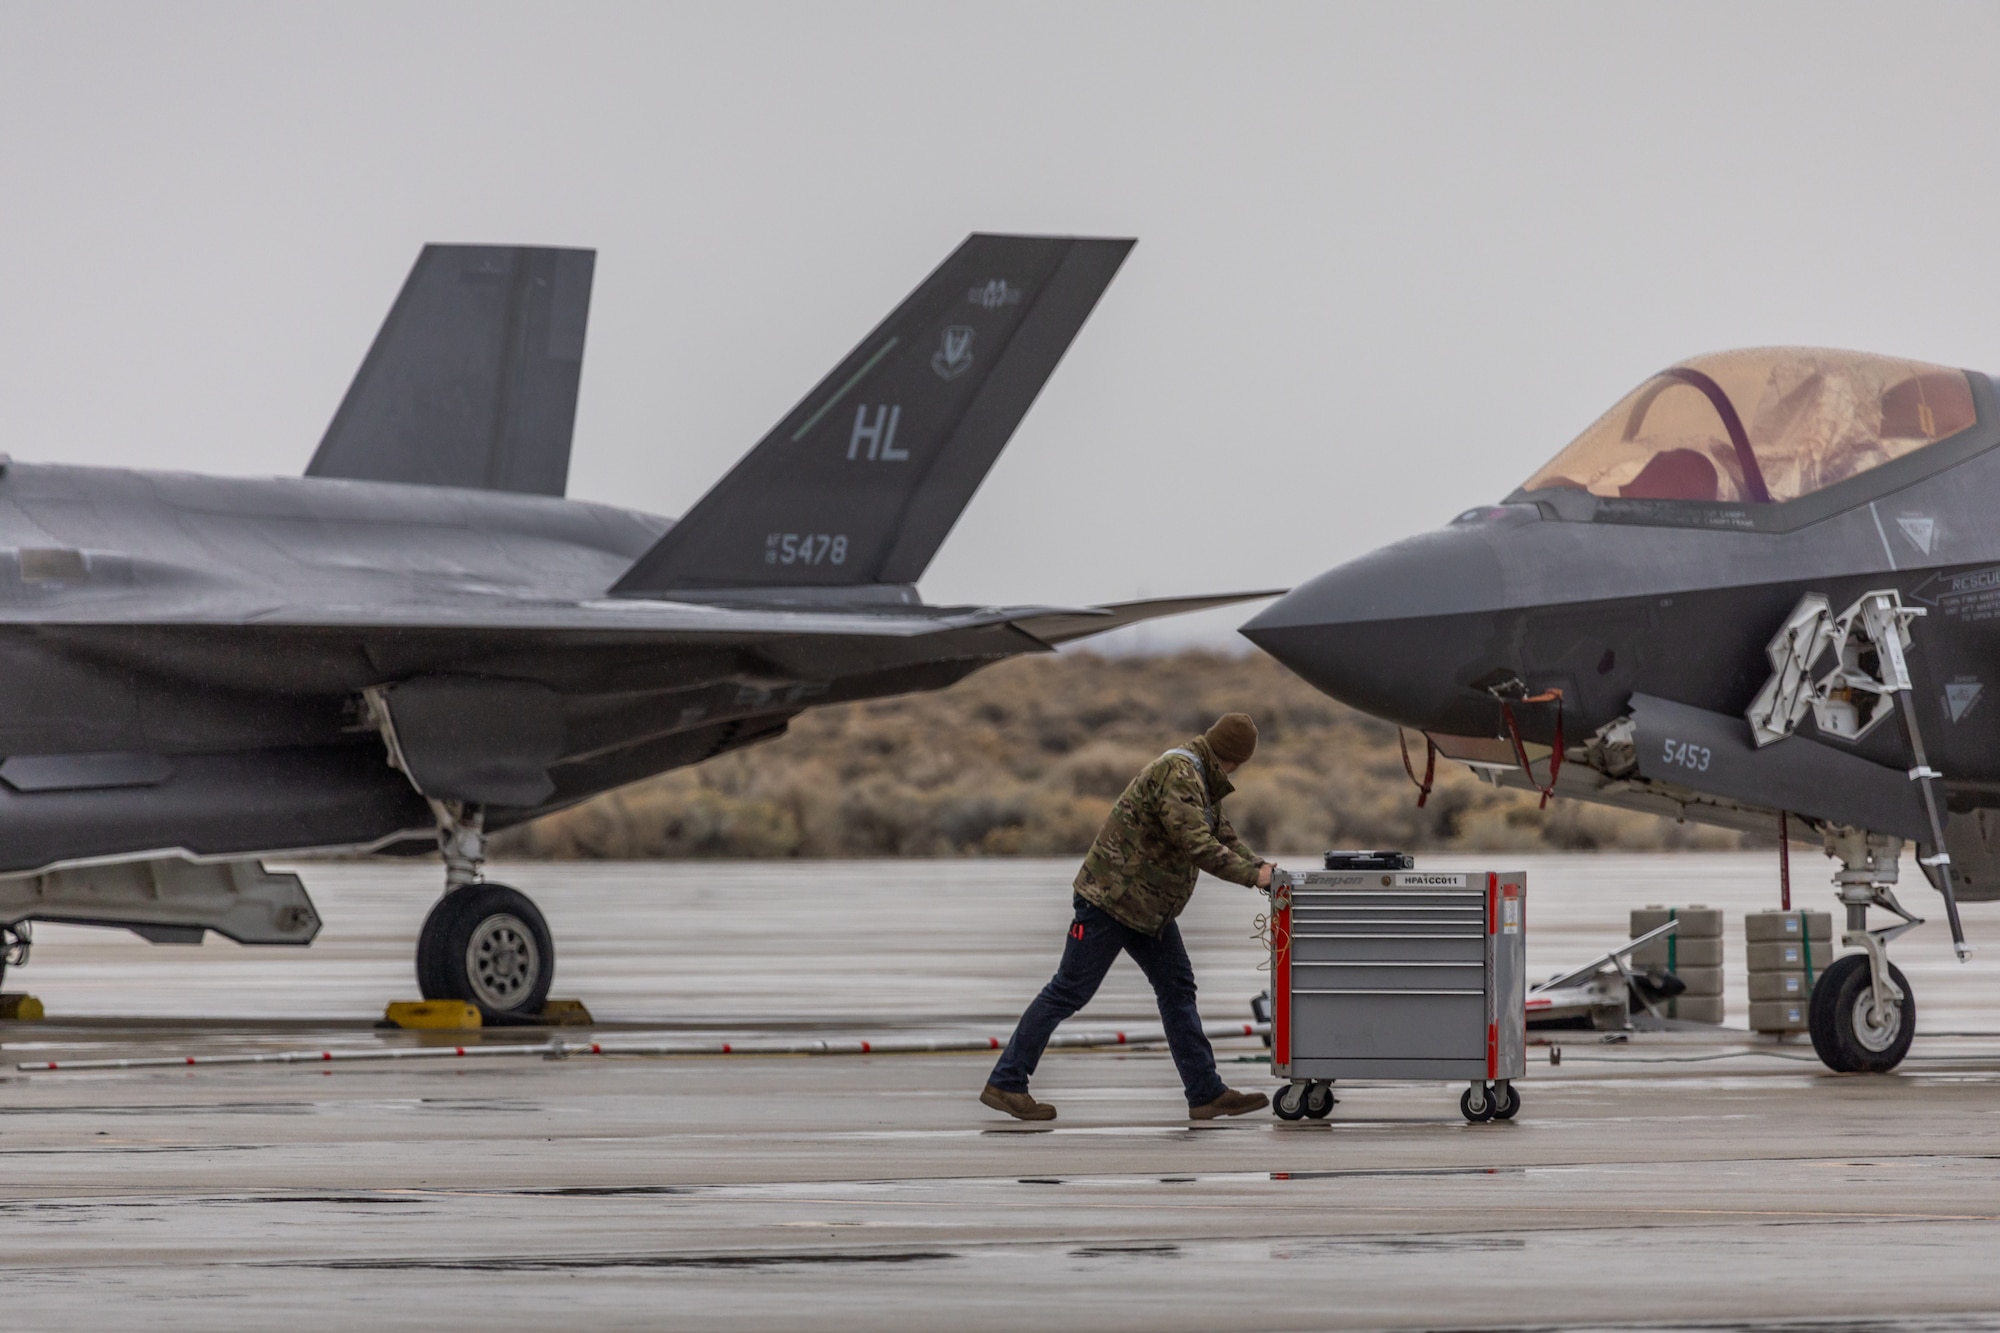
(1377, 935)
(1363, 963)
(1297, 991)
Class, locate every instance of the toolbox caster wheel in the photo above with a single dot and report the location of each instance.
(1476, 1104)
(1290, 1103)
(1319, 1100)
(1506, 1101)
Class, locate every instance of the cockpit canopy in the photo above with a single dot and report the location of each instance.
(1762, 426)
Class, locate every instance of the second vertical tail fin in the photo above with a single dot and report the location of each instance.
(472, 380)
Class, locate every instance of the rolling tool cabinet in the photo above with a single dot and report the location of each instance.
(1381, 973)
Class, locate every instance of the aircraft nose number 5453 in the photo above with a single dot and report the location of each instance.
(1687, 755)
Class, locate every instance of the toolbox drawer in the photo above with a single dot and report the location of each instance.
(1403, 908)
(1401, 1027)
(1389, 975)
(1319, 946)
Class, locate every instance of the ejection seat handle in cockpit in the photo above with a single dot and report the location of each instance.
(1754, 489)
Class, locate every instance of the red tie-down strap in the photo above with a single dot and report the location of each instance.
(1521, 754)
(1430, 765)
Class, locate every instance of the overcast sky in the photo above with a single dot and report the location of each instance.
(1391, 256)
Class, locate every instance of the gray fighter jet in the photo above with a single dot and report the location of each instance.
(421, 641)
(1765, 586)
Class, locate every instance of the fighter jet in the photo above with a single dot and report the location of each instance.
(421, 641)
(1762, 591)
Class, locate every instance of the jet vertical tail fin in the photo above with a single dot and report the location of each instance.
(860, 483)
(472, 380)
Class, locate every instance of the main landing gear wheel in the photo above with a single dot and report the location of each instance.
(1847, 1033)
(487, 943)
(1290, 1103)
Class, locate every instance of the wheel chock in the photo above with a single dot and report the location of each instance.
(16, 1007)
(432, 1014)
(565, 1014)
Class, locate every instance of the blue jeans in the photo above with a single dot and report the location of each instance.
(1095, 939)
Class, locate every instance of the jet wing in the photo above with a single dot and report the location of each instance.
(1059, 627)
(649, 618)
(810, 640)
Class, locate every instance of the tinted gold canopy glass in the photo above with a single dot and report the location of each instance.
(1762, 426)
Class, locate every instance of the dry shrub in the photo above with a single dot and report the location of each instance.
(1024, 758)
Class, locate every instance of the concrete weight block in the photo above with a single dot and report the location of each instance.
(1759, 927)
(1778, 1016)
(1779, 957)
(1778, 986)
(1696, 1008)
(1701, 980)
(1697, 922)
(1685, 953)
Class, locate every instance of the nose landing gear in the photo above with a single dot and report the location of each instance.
(1863, 1015)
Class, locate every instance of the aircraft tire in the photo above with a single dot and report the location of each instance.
(430, 949)
(492, 948)
(1842, 1036)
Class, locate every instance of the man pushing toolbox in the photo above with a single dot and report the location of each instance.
(1135, 880)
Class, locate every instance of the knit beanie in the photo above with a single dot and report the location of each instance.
(1233, 738)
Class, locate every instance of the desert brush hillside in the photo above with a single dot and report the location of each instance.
(1024, 758)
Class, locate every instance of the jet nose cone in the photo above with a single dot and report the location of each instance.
(1391, 632)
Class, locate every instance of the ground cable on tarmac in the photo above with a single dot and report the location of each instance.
(558, 1049)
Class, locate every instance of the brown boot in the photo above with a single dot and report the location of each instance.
(1017, 1104)
(1231, 1103)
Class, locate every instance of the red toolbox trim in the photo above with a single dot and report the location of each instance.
(1281, 989)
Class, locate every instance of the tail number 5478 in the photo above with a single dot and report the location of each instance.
(805, 548)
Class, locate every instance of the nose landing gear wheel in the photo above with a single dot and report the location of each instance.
(1848, 1035)
(487, 943)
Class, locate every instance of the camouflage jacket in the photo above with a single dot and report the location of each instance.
(1167, 825)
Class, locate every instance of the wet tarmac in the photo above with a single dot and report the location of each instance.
(1670, 1180)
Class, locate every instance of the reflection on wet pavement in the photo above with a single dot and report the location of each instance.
(1673, 1181)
